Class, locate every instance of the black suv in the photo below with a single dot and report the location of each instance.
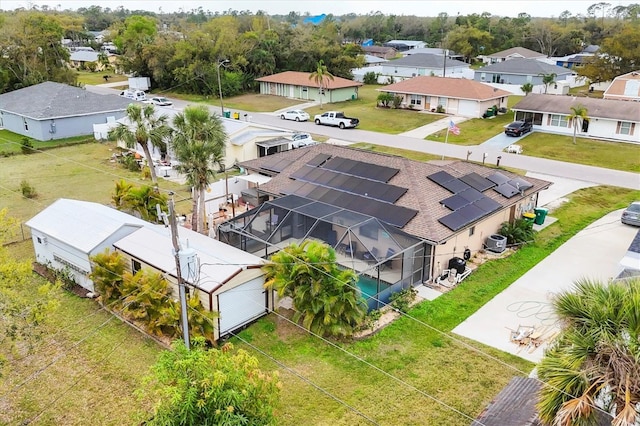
(518, 128)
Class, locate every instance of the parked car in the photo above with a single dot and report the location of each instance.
(518, 128)
(631, 215)
(298, 140)
(295, 114)
(160, 101)
(336, 118)
(136, 95)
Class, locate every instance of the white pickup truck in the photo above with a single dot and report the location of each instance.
(334, 118)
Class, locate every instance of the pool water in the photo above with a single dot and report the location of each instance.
(369, 286)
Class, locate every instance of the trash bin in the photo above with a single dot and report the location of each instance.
(226, 114)
(529, 217)
(236, 115)
(541, 215)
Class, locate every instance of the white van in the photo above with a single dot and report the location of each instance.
(136, 95)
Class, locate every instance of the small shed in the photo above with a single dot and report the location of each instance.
(68, 232)
(227, 280)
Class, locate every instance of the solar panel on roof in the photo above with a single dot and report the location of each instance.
(453, 221)
(276, 164)
(470, 195)
(454, 202)
(318, 160)
(455, 185)
(440, 177)
(498, 178)
(477, 182)
(487, 205)
(394, 215)
(361, 169)
(520, 184)
(506, 190)
(471, 213)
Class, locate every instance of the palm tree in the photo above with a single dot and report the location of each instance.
(198, 143)
(595, 357)
(325, 297)
(527, 88)
(143, 128)
(321, 76)
(577, 117)
(547, 79)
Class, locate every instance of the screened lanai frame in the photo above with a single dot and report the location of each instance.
(385, 258)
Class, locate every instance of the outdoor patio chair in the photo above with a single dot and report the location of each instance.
(389, 262)
(351, 248)
(371, 256)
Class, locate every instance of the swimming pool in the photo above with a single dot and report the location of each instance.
(369, 286)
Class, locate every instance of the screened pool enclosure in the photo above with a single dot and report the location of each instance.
(385, 258)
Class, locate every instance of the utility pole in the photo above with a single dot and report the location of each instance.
(181, 284)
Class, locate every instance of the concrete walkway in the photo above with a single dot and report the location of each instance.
(435, 127)
(594, 252)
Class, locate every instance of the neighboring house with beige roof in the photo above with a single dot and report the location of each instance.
(625, 87)
(608, 119)
(300, 85)
(512, 53)
(384, 52)
(397, 222)
(457, 96)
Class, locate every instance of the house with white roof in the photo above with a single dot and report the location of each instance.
(422, 64)
(512, 53)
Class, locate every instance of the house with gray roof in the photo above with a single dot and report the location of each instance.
(609, 119)
(520, 71)
(51, 110)
(423, 64)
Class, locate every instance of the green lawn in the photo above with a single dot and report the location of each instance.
(611, 155)
(94, 78)
(10, 143)
(81, 172)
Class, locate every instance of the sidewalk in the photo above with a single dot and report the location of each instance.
(436, 126)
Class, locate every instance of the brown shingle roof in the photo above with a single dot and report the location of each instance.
(459, 88)
(297, 78)
(378, 49)
(626, 86)
(596, 108)
(422, 194)
(522, 51)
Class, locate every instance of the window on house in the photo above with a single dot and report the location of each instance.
(135, 266)
(558, 120)
(416, 100)
(625, 128)
(472, 230)
(442, 102)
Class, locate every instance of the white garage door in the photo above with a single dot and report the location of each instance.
(467, 108)
(241, 305)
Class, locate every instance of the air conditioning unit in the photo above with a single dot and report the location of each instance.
(496, 243)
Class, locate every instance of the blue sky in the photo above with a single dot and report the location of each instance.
(511, 8)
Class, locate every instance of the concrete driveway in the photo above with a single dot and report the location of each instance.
(594, 253)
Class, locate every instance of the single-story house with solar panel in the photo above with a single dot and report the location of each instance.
(609, 119)
(299, 85)
(397, 222)
(227, 280)
(51, 110)
(457, 96)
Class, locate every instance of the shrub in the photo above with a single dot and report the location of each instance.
(397, 101)
(402, 300)
(440, 109)
(370, 78)
(371, 320)
(27, 190)
(130, 163)
(26, 146)
(384, 99)
(518, 232)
